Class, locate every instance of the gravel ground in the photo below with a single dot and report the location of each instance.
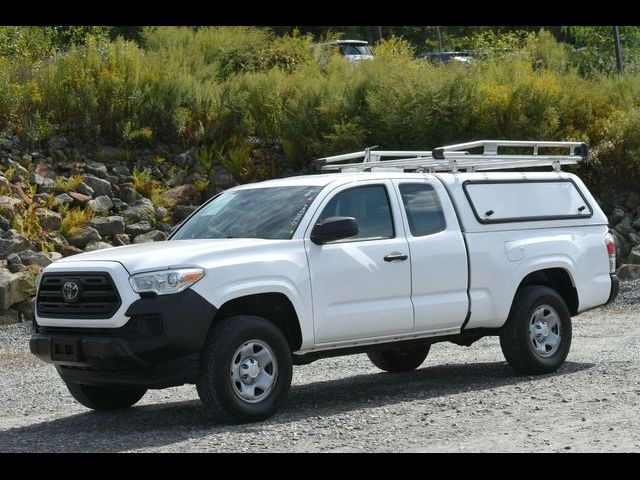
(462, 399)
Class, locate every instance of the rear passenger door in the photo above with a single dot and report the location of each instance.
(438, 256)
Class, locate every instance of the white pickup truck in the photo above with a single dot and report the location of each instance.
(385, 258)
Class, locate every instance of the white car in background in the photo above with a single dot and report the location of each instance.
(352, 50)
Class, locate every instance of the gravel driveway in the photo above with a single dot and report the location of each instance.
(462, 399)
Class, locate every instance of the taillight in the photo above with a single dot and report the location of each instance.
(611, 251)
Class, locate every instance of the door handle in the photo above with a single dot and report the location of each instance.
(396, 256)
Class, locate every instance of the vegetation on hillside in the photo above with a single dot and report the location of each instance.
(243, 96)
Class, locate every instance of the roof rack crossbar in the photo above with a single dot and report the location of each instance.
(453, 158)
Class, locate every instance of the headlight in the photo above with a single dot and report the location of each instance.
(166, 281)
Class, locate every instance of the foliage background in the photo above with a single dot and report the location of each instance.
(260, 102)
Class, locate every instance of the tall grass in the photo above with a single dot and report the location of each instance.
(252, 97)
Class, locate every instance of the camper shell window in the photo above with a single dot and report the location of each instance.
(505, 201)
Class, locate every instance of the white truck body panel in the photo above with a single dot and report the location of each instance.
(344, 294)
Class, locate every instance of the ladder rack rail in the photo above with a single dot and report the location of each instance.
(453, 158)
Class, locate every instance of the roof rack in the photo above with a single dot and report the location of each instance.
(454, 158)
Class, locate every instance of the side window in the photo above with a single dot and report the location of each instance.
(370, 207)
(423, 208)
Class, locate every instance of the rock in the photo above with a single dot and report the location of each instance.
(12, 242)
(4, 224)
(57, 143)
(624, 227)
(118, 205)
(127, 194)
(616, 216)
(9, 316)
(164, 227)
(182, 195)
(96, 246)
(29, 257)
(9, 206)
(636, 224)
(84, 236)
(79, 197)
(14, 288)
(48, 219)
(9, 144)
(101, 204)
(54, 256)
(628, 272)
(162, 212)
(57, 239)
(45, 170)
(64, 199)
(121, 239)
(634, 240)
(634, 256)
(26, 309)
(138, 228)
(633, 201)
(113, 180)
(99, 186)
(183, 211)
(121, 171)
(85, 189)
(68, 251)
(14, 263)
(45, 184)
(140, 211)
(109, 226)
(96, 168)
(152, 236)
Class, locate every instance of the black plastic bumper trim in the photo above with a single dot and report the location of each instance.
(615, 288)
(166, 330)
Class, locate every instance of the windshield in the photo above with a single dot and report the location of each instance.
(355, 49)
(270, 213)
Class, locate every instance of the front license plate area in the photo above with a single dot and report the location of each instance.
(64, 349)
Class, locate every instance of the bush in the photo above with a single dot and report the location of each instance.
(253, 102)
(73, 219)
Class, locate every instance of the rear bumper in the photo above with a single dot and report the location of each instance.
(158, 347)
(615, 287)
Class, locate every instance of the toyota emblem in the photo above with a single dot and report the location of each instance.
(70, 291)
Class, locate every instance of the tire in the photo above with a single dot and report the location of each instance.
(230, 347)
(401, 359)
(523, 350)
(105, 398)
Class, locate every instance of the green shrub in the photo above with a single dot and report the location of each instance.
(246, 99)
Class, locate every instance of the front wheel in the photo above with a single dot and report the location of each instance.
(401, 359)
(537, 335)
(105, 398)
(245, 369)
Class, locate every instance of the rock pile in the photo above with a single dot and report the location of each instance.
(63, 200)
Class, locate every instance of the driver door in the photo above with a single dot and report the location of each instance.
(361, 286)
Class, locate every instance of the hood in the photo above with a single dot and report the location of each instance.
(174, 253)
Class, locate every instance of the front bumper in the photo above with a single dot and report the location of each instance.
(158, 347)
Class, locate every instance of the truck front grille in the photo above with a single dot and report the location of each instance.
(77, 295)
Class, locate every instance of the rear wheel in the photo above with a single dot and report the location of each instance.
(105, 398)
(537, 335)
(245, 369)
(401, 359)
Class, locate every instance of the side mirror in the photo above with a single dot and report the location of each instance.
(334, 228)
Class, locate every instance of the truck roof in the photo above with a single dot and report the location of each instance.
(450, 178)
